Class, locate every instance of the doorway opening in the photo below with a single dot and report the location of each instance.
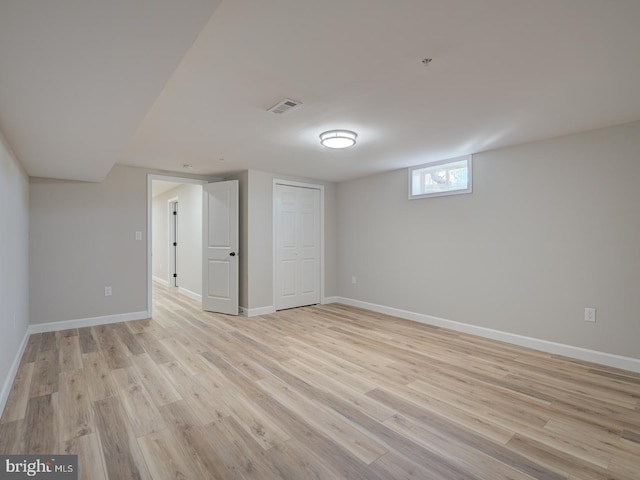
(176, 255)
(174, 240)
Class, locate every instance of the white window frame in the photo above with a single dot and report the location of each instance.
(459, 191)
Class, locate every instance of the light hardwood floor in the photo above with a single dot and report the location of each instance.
(323, 392)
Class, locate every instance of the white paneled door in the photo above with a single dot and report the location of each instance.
(297, 239)
(220, 247)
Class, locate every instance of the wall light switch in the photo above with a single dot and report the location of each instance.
(590, 315)
(138, 235)
(107, 291)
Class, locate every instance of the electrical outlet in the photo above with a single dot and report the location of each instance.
(590, 314)
(107, 291)
(354, 280)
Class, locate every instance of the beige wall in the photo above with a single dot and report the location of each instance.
(14, 258)
(552, 227)
(83, 239)
(159, 239)
(189, 236)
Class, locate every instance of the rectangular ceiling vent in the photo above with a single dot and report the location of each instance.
(284, 106)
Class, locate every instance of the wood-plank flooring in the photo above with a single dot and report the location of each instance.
(323, 392)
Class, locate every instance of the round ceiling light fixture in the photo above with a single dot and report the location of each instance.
(338, 138)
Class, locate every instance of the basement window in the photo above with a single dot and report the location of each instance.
(446, 177)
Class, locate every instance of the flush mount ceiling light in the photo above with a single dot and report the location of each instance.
(338, 138)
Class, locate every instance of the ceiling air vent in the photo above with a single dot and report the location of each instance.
(284, 106)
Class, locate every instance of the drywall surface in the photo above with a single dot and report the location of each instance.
(551, 227)
(160, 239)
(14, 258)
(83, 239)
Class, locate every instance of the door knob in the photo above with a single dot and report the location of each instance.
(232, 254)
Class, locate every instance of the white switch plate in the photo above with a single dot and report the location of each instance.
(138, 235)
(590, 314)
(107, 291)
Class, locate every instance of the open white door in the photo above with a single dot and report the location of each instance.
(220, 247)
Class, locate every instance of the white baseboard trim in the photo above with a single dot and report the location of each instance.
(328, 300)
(190, 294)
(579, 353)
(13, 371)
(161, 281)
(254, 312)
(86, 322)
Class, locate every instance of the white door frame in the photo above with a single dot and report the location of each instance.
(172, 234)
(150, 178)
(278, 181)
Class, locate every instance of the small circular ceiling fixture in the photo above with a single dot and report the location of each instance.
(338, 138)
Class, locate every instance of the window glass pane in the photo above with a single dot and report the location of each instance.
(449, 176)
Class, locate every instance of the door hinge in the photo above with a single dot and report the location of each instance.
(175, 244)
(175, 213)
(175, 275)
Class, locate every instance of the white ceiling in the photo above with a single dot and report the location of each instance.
(78, 77)
(504, 72)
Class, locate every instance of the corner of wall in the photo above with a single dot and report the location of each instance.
(11, 374)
